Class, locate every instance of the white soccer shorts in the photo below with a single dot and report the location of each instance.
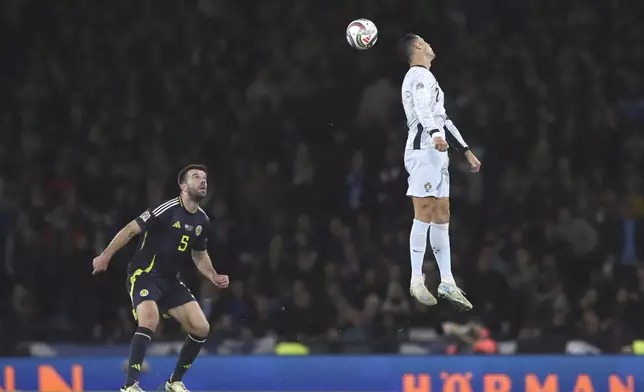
(428, 173)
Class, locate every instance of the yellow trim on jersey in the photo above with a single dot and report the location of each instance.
(133, 278)
(180, 201)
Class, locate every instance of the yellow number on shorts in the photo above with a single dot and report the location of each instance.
(184, 243)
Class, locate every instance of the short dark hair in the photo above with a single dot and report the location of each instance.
(181, 178)
(406, 45)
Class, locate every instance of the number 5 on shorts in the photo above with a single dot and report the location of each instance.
(184, 243)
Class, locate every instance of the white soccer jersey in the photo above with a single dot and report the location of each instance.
(424, 104)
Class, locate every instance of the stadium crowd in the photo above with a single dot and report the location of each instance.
(102, 103)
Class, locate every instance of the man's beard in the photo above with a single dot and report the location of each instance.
(196, 196)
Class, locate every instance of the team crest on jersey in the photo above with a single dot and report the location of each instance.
(419, 85)
(198, 230)
(428, 187)
(144, 293)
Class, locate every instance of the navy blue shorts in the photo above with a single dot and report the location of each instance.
(168, 293)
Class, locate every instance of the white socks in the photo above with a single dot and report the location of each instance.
(417, 247)
(439, 238)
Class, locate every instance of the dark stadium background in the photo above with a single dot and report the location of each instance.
(101, 103)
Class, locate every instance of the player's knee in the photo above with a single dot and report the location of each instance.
(202, 329)
(423, 210)
(147, 315)
(441, 212)
(149, 322)
(199, 328)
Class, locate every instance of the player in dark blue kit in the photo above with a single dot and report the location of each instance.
(172, 231)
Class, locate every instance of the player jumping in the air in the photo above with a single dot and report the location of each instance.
(171, 231)
(427, 162)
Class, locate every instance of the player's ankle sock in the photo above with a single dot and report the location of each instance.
(188, 354)
(439, 239)
(417, 247)
(140, 342)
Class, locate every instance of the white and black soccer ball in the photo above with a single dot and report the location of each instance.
(362, 34)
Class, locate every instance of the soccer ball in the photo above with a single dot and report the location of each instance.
(362, 34)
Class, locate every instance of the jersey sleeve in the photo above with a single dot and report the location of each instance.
(153, 216)
(201, 242)
(458, 140)
(423, 94)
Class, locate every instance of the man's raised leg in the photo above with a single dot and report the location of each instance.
(439, 239)
(193, 320)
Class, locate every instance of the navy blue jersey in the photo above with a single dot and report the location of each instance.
(169, 233)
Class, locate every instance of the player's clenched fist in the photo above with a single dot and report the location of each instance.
(439, 143)
(221, 281)
(100, 264)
